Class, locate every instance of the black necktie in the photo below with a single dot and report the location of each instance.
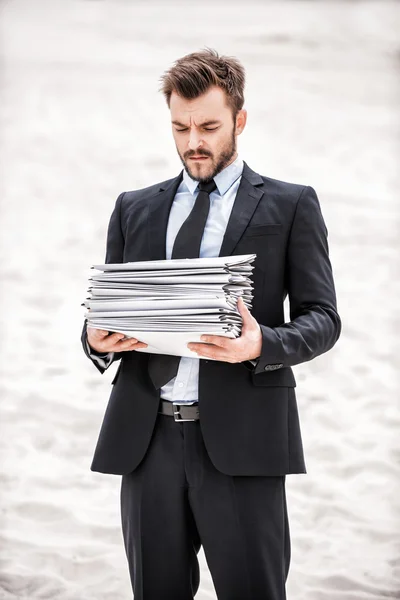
(163, 367)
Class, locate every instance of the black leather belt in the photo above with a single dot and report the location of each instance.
(180, 412)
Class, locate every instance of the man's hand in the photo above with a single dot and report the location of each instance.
(246, 347)
(100, 341)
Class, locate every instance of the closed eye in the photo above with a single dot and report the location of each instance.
(205, 129)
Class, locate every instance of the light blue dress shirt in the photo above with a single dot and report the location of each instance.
(183, 389)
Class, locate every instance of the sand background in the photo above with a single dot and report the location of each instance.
(81, 120)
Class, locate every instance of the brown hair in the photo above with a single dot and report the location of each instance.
(193, 74)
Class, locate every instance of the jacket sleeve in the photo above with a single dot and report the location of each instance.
(114, 254)
(314, 325)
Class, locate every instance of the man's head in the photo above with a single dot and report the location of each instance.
(204, 93)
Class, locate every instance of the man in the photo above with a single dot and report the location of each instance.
(204, 453)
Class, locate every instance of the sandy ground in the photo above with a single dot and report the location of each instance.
(81, 121)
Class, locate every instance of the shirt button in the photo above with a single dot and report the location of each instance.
(180, 384)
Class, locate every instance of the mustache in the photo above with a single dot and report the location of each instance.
(191, 153)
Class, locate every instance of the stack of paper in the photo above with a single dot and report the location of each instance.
(168, 303)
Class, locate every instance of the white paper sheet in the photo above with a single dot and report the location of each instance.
(178, 263)
(133, 278)
(155, 304)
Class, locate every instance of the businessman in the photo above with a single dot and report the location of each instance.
(204, 446)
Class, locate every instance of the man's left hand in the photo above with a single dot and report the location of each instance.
(246, 347)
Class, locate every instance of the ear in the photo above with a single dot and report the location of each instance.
(241, 119)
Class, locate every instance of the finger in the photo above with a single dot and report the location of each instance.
(248, 319)
(128, 344)
(134, 346)
(116, 337)
(217, 340)
(207, 348)
(215, 353)
(244, 311)
(139, 345)
(117, 345)
(97, 333)
(131, 344)
(109, 342)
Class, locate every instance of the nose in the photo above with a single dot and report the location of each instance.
(195, 140)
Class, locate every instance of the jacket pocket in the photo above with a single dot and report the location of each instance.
(268, 229)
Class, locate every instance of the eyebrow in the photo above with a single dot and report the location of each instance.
(213, 122)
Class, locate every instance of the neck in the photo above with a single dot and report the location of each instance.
(234, 157)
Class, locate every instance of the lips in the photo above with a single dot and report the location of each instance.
(199, 157)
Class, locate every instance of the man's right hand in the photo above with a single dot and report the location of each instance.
(100, 341)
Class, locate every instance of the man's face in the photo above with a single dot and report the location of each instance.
(205, 132)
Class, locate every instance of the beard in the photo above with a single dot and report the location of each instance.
(218, 163)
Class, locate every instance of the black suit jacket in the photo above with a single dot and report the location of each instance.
(248, 416)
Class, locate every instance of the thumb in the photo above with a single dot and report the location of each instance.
(244, 312)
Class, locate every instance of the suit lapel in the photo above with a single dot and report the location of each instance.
(159, 207)
(247, 198)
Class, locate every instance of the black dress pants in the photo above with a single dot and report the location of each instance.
(176, 500)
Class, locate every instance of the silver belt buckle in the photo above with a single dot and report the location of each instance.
(177, 415)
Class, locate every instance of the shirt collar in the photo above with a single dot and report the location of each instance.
(224, 180)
